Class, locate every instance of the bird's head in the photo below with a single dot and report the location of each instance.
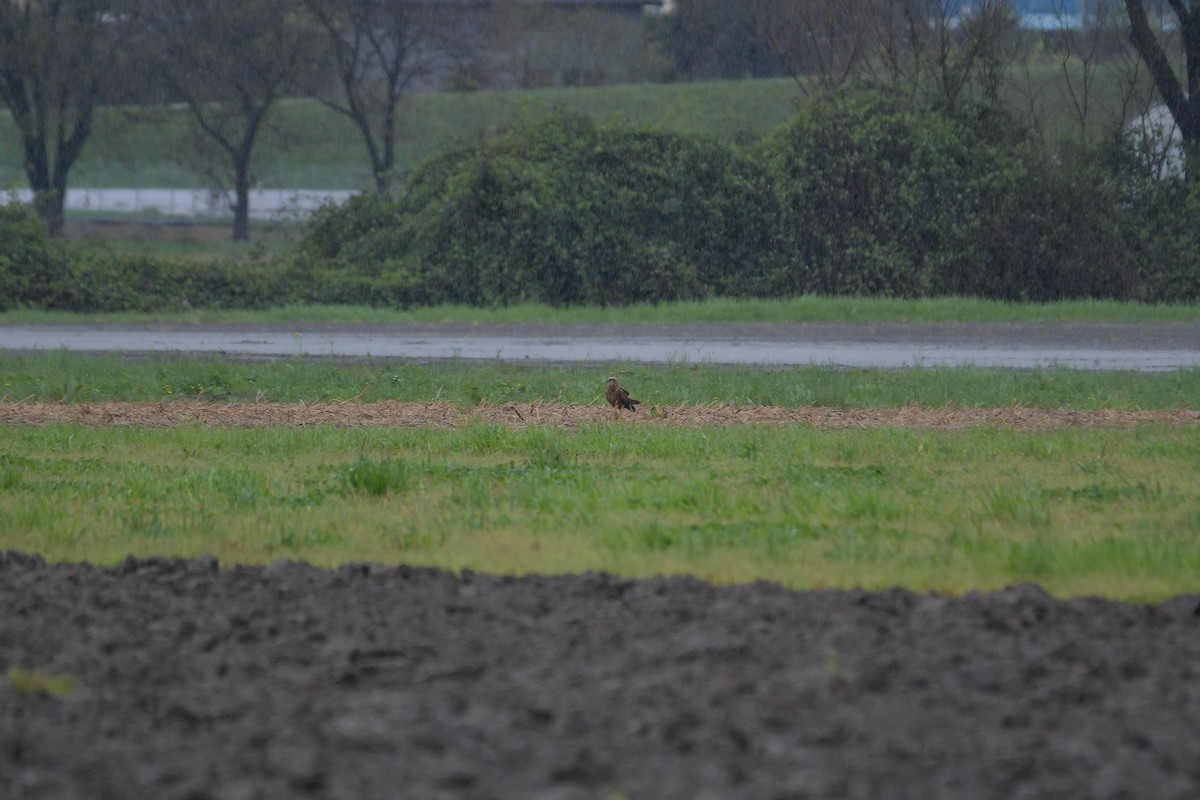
(611, 381)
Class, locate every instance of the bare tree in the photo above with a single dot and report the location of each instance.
(710, 39)
(228, 64)
(823, 43)
(55, 58)
(943, 48)
(1158, 47)
(1079, 59)
(377, 49)
(1100, 75)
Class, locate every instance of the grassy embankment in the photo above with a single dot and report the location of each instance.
(1079, 510)
(311, 147)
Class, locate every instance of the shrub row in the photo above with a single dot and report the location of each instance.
(564, 212)
(861, 193)
(39, 272)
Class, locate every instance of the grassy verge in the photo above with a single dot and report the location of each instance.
(64, 376)
(309, 146)
(1081, 511)
(809, 308)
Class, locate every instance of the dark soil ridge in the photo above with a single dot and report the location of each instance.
(394, 682)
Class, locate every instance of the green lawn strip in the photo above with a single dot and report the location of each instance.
(808, 308)
(62, 376)
(1080, 511)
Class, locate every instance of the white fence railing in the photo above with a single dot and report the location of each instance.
(264, 203)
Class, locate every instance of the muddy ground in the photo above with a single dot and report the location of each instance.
(369, 682)
(183, 679)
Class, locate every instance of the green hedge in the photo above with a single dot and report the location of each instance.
(39, 272)
(885, 197)
(34, 270)
(861, 193)
(108, 282)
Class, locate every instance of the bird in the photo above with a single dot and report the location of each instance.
(618, 398)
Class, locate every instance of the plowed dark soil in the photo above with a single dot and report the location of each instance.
(370, 682)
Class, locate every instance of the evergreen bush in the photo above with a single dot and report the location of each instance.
(565, 211)
(34, 270)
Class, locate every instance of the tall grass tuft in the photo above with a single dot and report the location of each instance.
(372, 477)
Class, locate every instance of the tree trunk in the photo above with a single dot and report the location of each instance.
(241, 205)
(383, 172)
(48, 204)
(50, 76)
(49, 186)
(242, 179)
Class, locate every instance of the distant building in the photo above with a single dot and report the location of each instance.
(1066, 15)
(617, 6)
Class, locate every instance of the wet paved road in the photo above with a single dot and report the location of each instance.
(1145, 347)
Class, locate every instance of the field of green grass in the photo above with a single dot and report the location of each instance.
(1083, 510)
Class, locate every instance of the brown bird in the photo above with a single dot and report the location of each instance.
(618, 398)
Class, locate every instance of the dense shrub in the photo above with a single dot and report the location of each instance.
(885, 196)
(333, 228)
(1052, 229)
(34, 270)
(1040, 226)
(106, 281)
(1161, 216)
(870, 188)
(361, 253)
(565, 211)
(862, 193)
